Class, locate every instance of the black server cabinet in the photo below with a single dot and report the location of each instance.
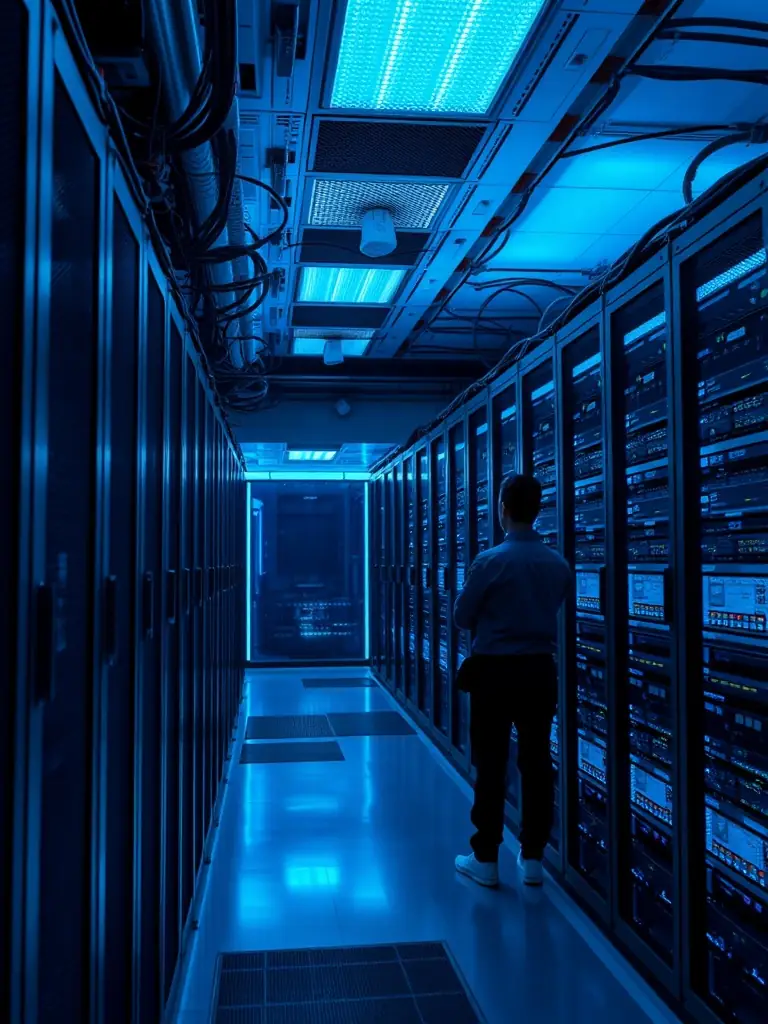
(459, 558)
(423, 492)
(480, 526)
(188, 863)
(67, 666)
(383, 625)
(106, 842)
(583, 647)
(151, 727)
(18, 217)
(539, 458)
(172, 691)
(441, 710)
(506, 446)
(411, 582)
(724, 356)
(121, 594)
(640, 554)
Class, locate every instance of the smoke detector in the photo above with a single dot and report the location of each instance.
(378, 233)
(333, 352)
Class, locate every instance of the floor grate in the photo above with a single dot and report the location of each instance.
(288, 727)
(370, 723)
(337, 684)
(286, 753)
(412, 983)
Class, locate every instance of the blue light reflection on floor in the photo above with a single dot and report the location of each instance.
(361, 852)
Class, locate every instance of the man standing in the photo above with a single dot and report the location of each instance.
(510, 602)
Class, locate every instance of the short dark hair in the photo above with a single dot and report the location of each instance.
(521, 497)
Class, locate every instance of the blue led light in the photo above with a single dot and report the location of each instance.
(588, 364)
(753, 262)
(297, 455)
(349, 284)
(367, 562)
(646, 328)
(315, 346)
(446, 56)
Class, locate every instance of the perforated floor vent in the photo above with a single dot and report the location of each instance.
(321, 683)
(406, 149)
(370, 723)
(291, 753)
(287, 727)
(413, 983)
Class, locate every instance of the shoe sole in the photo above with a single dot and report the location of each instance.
(479, 881)
(533, 885)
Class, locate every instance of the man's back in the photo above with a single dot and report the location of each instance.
(512, 596)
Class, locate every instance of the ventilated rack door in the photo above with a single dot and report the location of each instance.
(645, 696)
(727, 328)
(539, 458)
(441, 713)
(397, 576)
(411, 581)
(67, 602)
(481, 530)
(505, 449)
(426, 581)
(459, 560)
(583, 484)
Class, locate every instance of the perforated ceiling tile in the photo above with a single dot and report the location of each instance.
(342, 203)
(412, 150)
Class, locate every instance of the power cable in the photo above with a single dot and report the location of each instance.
(734, 23)
(758, 137)
(647, 137)
(712, 37)
(681, 73)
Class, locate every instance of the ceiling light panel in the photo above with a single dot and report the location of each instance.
(311, 456)
(440, 56)
(342, 203)
(316, 346)
(349, 285)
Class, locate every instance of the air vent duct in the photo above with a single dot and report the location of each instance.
(402, 148)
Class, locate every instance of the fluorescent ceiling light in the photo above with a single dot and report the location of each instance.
(446, 56)
(316, 346)
(349, 284)
(296, 455)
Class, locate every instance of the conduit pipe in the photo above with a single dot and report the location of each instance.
(173, 30)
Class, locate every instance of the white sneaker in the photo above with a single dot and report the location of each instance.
(533, 870)
(483, 874)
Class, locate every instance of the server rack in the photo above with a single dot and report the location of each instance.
(118, 677)
(646, 419)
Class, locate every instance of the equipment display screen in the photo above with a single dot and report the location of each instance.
(588, 592)
(646, 596)
(736, 604)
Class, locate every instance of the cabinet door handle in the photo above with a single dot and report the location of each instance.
(148, 604)
(45, 629)
(110, 620)
(187, 591)
(171, 596)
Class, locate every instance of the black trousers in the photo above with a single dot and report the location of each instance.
(519, 689)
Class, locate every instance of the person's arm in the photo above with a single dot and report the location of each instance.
(469, 602)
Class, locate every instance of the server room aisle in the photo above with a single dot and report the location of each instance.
(360, 851)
